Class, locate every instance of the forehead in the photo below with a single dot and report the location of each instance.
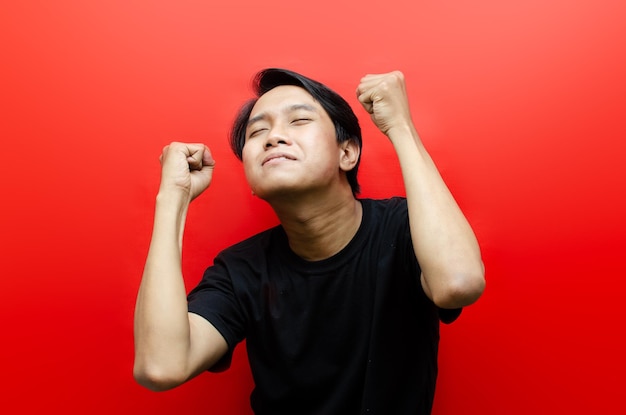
(283, 97)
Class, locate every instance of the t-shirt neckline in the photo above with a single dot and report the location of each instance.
(324, 265)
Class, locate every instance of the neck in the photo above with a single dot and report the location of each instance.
(319, 228)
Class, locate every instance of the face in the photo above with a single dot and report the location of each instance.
(291, 145)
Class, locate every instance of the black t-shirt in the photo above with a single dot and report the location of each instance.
(350, 334)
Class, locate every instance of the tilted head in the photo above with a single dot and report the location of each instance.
(345, 121)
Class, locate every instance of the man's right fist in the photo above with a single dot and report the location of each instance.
(186, 167)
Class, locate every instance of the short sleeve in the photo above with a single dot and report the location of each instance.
(214, 299)
(447, 315)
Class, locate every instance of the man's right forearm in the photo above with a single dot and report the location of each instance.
(162, 333)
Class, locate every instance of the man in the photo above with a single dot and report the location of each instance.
(340, 304)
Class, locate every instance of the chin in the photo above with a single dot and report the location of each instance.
(281, 191)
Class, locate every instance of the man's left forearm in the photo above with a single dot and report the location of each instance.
(444, 242)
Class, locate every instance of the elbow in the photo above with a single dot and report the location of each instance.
(462, 289)
(154, 378)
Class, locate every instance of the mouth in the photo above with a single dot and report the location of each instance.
(277, 157)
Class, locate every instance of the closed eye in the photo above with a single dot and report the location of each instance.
(298, 121)
(256, 132)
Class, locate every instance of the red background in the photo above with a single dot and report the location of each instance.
(521, 104)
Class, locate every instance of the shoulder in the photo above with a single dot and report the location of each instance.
(238, 265)
(254, 245)
(385, 205)
(385, 211)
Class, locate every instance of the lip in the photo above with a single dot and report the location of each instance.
(274, 156)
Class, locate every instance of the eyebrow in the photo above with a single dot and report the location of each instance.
(295, 107)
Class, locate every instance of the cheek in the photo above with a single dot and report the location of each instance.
(246, 160)
(247, 154)
(330, 153)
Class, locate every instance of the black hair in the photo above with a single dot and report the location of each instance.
(345, 121)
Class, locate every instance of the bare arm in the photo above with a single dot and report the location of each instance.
(445, 245)
(172, 345)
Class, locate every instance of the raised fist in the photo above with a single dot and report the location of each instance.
(186, 168)
(384, 97)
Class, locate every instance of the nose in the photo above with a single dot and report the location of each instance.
(276, 136)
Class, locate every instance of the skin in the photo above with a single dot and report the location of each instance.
(308, 188)
(445, 245)
(292, 160)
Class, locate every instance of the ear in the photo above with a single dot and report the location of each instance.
(349, 154)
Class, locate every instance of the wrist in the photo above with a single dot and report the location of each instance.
(171, 214)
(171, 193)
(172, 201)
(401, 134)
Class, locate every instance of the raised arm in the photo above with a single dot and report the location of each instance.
(444, 243)
(172, 345)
